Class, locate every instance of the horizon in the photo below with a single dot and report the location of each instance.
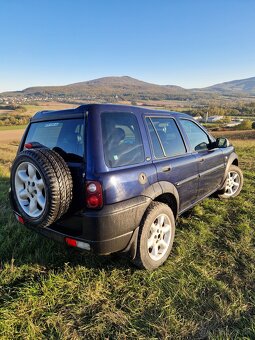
(20, 90)
(191, 45)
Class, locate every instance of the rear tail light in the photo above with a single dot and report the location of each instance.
(94, 195)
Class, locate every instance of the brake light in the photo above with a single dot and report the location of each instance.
(94, 195)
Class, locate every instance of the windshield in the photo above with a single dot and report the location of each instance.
(64, 136)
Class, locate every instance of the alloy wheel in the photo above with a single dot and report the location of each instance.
(232, 183)
(30, 189)
(159, 237)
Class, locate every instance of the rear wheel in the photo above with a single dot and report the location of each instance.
(155, 238)
(233, 183)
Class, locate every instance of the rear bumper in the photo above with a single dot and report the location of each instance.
(106, 231)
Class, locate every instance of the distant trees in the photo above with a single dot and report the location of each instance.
(224, 109)
(7, 121)
(245, 125)
(15, 116)
(216, 111)
(226, 119)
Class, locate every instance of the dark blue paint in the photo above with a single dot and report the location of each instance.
(194, 174)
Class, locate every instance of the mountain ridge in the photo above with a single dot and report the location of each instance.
(246, 85)
(128, 87)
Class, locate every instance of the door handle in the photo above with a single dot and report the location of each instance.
(166, 168)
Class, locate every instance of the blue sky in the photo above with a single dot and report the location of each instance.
(190, 43)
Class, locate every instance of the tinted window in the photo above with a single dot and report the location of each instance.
(122, 139)
(169, 135)
(64, 136)
(198, 138)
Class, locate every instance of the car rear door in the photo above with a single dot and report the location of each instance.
(210, 161)
(173, 162)
(66, 137)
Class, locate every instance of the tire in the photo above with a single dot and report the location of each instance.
(41, 186)
(233, 184)
(64, 178)
(151, 234)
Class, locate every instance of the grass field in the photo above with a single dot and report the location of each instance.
(206, 289)
(18, 117)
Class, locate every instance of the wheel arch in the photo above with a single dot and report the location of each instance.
(235, 162)
(232, 160)
(164, 192)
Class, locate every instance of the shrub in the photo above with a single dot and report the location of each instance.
(245, 125)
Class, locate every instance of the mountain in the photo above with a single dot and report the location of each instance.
(127, 88)
(124, 87)
(242, 86)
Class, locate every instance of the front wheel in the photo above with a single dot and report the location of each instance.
(233, 183)
(155, 238)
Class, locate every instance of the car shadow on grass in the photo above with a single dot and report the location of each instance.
(25, 247)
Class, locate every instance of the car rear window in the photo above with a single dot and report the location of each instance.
(121, 139)
(64, 136)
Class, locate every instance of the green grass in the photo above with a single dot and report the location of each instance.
(12, 127)
(206, 289)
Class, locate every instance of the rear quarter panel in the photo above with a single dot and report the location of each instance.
(119, 183)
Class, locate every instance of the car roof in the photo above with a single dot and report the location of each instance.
(97, 108)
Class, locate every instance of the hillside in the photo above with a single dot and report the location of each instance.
(128, 88)
(242, 86)
(123, 87)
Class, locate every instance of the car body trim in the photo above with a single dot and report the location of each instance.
(191, 178)
(206, 172)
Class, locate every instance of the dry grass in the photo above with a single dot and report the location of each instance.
(235, 135)
(10, 135)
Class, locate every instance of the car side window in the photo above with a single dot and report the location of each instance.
(157, 149)
(198, 139)
(165, 137)
(122, 139)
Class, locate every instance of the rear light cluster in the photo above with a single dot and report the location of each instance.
(94, 195)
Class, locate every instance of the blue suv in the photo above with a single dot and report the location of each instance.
(114, 178)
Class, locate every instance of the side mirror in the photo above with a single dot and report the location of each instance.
(222, 142)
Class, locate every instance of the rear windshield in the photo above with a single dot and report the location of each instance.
(64, 136)
(122, 139)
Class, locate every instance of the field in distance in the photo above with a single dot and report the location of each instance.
(30, 109)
